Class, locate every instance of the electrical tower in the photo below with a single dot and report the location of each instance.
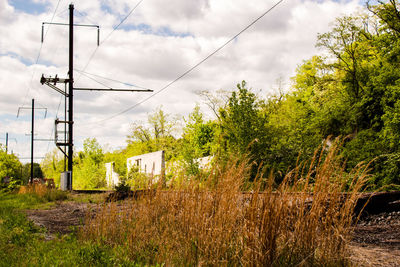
(32, 131)
(6, 139)
(52, 82)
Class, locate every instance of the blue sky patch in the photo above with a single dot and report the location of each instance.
(25, 61)
(46, 63)
(28, 6)
(161, 31)
(6, 117)
(106, 8)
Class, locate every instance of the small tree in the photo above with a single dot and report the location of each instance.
(198, 140)
(52, 165)
(90, 170)
(10, 168)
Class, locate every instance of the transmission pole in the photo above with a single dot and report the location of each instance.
(8, 138)
(32, 131)
(32, 135)
(71, 94)
(52, 82)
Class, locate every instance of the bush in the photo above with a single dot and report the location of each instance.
(138, 180)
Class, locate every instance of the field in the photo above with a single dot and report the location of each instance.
(221, 219)
(51, 238)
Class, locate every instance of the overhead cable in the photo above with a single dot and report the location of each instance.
(108, 36)
(192, 68)
(38, 56)
(105, 78)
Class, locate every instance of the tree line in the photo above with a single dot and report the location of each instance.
(350, 90)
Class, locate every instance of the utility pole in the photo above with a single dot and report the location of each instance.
(8, 138)
(71, 94)
(32, 135)
(52, 82)
(32, 131)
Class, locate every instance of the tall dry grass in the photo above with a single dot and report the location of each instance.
(43, 192)
(305, 221)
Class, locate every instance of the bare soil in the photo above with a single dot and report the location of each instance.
(61, 219)
(376, 239)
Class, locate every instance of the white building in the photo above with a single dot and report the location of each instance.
(204, 162)
(152, 164)
(112, 178)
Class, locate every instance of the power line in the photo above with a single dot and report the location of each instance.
(87, 76)
(105, 78)
(85, 16)
(108, 36)
(38, 56)
(194, 67)
(62, 12)
(122, 21)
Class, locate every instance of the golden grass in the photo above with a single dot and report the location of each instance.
(38, 189)
(298, 222)
(43, 192)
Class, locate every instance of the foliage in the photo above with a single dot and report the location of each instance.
(156, 135)
(10, 167)
(26, 171)
(122, 187)
(137, 180)
(89, 166)
(198, 140)
(52, 165)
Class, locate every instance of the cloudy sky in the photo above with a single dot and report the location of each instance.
(158, 42)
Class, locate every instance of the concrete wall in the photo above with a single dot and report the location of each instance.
(152, 164)
(204, 162)
(112, 177)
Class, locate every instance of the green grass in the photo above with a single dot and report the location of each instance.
(88, 198)
(23, 244)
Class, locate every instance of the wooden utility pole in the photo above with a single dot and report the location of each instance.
(71, 95)
(52, 82)
(32, 131)
(32, 136)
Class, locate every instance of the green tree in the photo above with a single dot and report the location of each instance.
(52, 165)
(89, 169)
(26, 171)
(242, 123)
(198, 140)
(10, 167)
(389, 14)
(243, 127)
(156, 135)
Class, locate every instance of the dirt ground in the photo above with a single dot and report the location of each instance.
(376, 240)
(60, 219)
